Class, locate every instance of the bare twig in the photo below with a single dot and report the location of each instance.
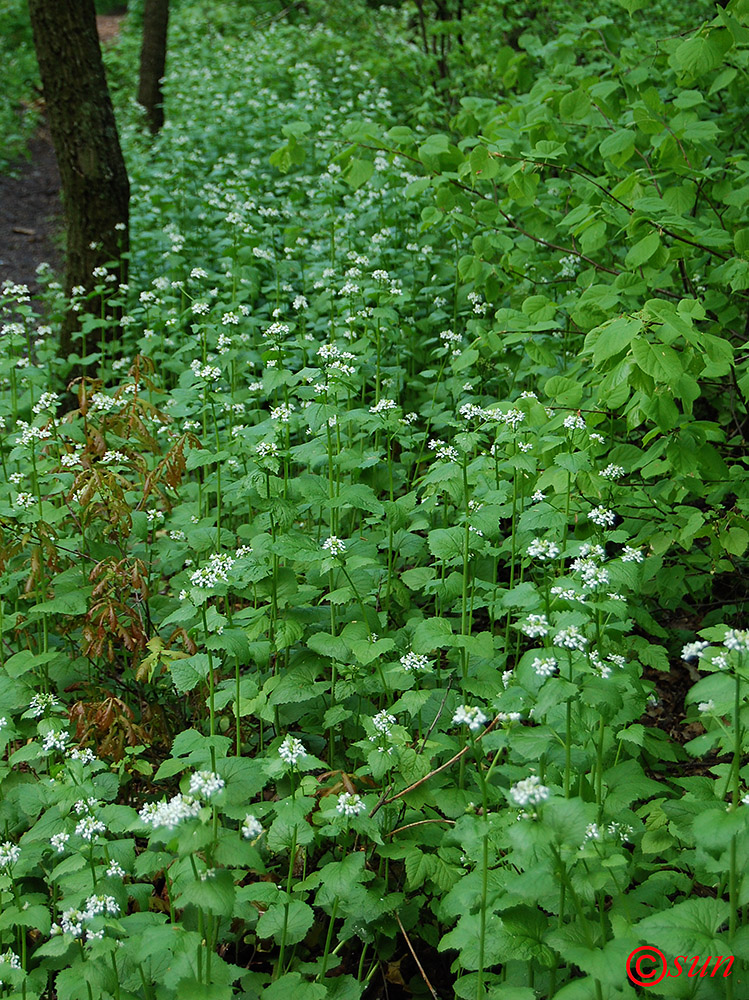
(443, 767)
(415, 958)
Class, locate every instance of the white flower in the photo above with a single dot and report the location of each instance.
(291, 750)
(282, 413)
(706, 706)
(509, 716)
(10, 958)
(535, 625)
(613, 472)
(215, 572)
(208, 372)
(538, 496)
(543, 548)
(252, 827)
(9, 854)
(414, 661)
(602, 517)
(738, 639)
(115, 870)
(205, 784)
(592, 832)
(171, 813)
(630, 554)
(544, 667)
(467, 715)
(383, 406)
(47, 401)
(89, 827)
(110, 457)
(574, 422)
(58, 841)
(693, 650)
(529, 791)
(350, 804)
(85, 756)
(571, 638)
(334, 545)
(55, 740)
(25, 500)
(383, 722)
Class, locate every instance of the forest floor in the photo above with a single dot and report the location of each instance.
(30, 207)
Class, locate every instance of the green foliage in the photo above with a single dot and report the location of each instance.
(337, 600)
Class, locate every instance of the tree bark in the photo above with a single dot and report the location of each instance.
(153, 61)
(95, 186)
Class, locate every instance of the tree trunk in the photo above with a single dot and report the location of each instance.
(95, 186)
(153, 61)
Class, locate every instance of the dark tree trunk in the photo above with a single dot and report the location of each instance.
(153, 61)
(95, 186)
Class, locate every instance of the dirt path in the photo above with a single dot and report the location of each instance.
(30, 211)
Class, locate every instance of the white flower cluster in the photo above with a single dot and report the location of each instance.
(544, 667)
(55, 740)
(10, 958)
(602, 517)
(291, 750)
(335, 546)
(542, 548)
(74, 921)
(383, 405)
(613, 472)
(217, 571)
(574, 422)
(266, 449)
(251, 827)
(9, 854)
(29, 433)
(102, 403)
(205, 784)
(414, 661)
(737, 639)
(47, 401)
(170, 814)
(210, 373)
(350, 804)
(630, 554)
(693, 650)
(282, 412)
(383, 723)
(469, 715)
(535, 625)
(570, 638)
(442, 450)
(112, 457)
(529, 791)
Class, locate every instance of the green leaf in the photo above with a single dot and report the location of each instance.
(612, 338)
(296, 915)
(619, 146)
(215, 893)
(663, 363)
(643, 250)
(357, 172)
(432, 633)
(690, 927)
